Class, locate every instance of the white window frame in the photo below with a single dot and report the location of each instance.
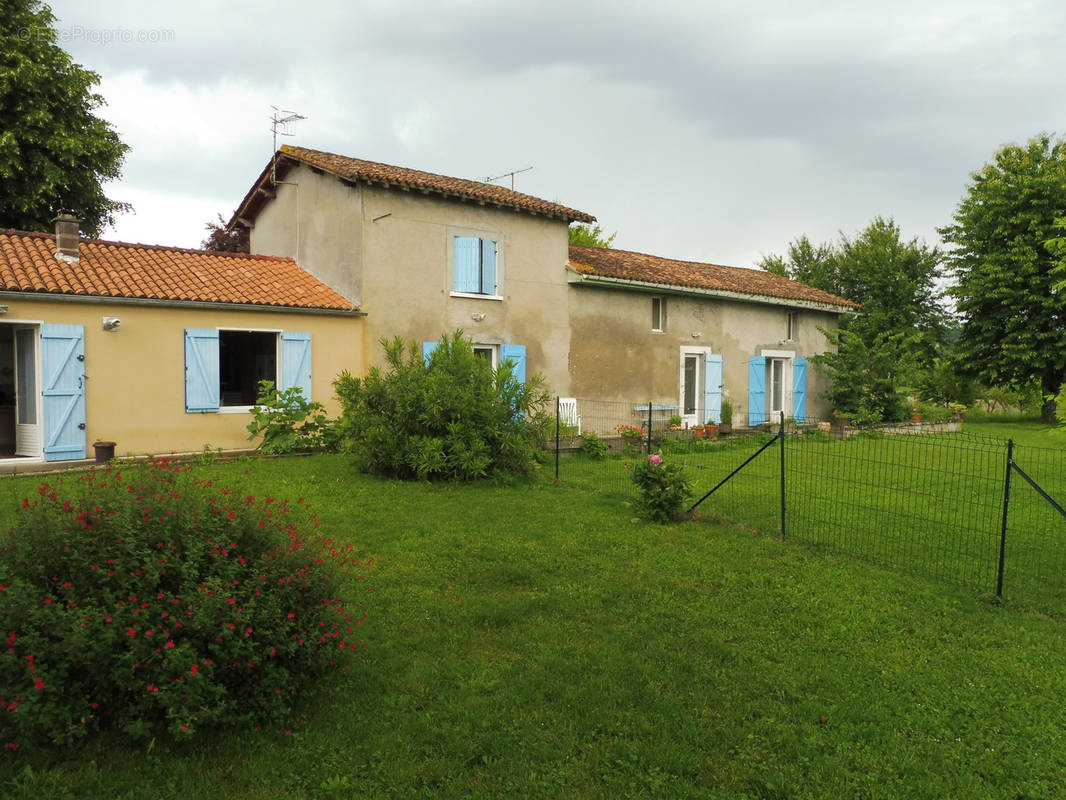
(495, 236)
(658, 321)
(786, 357)
(790, 326)
(245, 409)
(700, 415)
(492, 349)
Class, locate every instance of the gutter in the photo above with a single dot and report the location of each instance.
(577, 278)
(201, 305)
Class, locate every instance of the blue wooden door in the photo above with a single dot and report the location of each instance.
(63, 391)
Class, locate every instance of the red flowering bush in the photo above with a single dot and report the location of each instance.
(148, 600)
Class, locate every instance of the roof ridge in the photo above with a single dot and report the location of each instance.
(143, 246)
(293, 150)
(674, 260)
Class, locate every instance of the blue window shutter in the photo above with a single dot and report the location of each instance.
(516, 354)
(756, 390)
(63, 391)
(296, 362)
(712, 398)
(488, 266)
(427, 348)
(466, 263)
(799, 389)
(202, 389)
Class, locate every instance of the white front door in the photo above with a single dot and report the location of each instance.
(27, 412)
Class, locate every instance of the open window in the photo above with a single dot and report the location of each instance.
(223, 368)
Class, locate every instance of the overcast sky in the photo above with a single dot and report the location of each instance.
(709, 131)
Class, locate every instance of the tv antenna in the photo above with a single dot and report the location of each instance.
(281, 125)
(508, 174)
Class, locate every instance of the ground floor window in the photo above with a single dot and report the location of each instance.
(223, 368)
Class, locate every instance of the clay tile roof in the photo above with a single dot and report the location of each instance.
(28, 263)
(639, 268)
(356, 169)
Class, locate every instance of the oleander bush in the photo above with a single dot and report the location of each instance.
(149, 601)
(448, 416)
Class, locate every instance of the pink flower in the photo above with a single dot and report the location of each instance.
(655, 460)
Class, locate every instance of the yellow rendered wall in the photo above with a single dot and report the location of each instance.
(135, 387)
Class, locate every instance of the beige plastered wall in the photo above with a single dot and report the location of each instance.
(391, 252)
(615, 354)
(135, 387)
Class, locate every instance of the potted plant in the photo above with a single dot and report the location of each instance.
(916, 415)
(726, 426)
(710, 430)
(697, 431)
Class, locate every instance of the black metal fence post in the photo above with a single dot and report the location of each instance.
(782, 435)
(558, 404)
(1003, 529)
(649, 427)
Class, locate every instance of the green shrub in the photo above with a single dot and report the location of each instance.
(288, 422)
(451, 416)
(663, 488)
(593, 446)
(148, 601)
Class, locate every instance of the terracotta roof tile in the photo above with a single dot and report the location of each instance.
(28, 263)
(640, 268)
(356, 169)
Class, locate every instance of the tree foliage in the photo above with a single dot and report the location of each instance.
(55, 153)
(448, 416)
(1012, 315)
(590, 236)
(902, 328)
(222, 239)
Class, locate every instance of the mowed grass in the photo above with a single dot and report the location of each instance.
(929, 503)
(533, 641)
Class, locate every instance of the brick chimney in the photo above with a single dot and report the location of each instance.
(67, 237)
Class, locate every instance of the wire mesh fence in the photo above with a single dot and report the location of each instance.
(926, 497)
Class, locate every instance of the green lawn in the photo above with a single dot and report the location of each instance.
(533, 641)
(931, 504)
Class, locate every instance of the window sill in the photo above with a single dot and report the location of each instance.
(474, 296)
(235, 409)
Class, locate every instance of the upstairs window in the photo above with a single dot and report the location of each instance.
(790, 326)
(475, 265)
(658, 314)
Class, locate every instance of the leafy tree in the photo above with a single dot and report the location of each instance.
(54, 151)
(902, 328)
(814, 265)
(1012, 315)
(864, 377)
(221, 239)
(448, 416)
(590, 236)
